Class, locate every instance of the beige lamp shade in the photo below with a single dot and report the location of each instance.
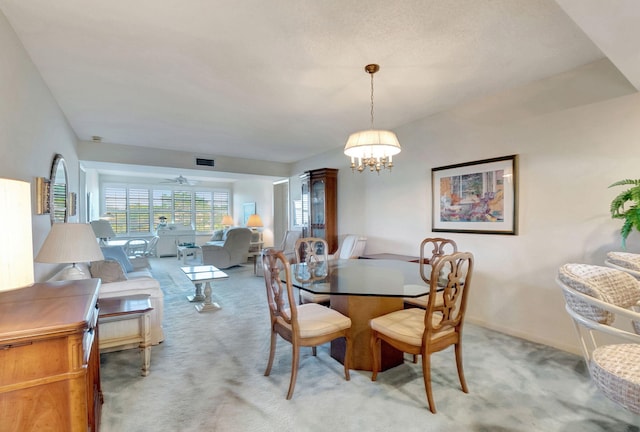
(16, 246)
(254, 221)
(70, 243)
(227, 220)
(372, 144)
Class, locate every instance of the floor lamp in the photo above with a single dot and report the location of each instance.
(16, 251)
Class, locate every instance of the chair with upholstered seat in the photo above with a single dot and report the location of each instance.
(430, 250)
(601, 301)
(625, 261)
(287, 246)
(425, 331)
(312, 251)
(233, 251)
(350, 246)
(304, 325)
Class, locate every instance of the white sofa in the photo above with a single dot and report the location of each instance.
(139, 281)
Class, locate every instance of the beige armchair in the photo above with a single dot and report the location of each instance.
(350, 246)
(232, 252)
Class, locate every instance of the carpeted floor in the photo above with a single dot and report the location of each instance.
(208, 376)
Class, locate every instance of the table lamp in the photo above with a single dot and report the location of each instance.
(16, 253)
(227, 221)
(103, 231)
(70, 243)
(254, 222)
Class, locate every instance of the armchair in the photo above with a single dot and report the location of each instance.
(351, 246)
(232, 252)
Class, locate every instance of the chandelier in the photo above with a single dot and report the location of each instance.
(372, 148)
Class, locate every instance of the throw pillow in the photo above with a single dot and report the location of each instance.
(108, 271)
(117, 253)
(217, 235)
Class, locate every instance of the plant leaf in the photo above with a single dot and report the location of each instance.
(626, 182)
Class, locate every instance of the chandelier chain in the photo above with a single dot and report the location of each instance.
(372, 102)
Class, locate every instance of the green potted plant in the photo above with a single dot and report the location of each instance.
(627, 206)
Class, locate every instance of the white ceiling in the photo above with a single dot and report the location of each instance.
(282, 80)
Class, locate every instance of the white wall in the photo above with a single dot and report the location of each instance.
(575, 134)
(32, 130)
(260, 192)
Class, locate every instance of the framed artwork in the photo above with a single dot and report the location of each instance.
(247, 210)
(476, 197)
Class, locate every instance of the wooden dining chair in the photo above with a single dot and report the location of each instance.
(314, 252)
(301, 325)
(430, 250)
(425, 331)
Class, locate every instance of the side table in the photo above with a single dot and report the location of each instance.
(204, 275)
(182, 252)
(130, 314)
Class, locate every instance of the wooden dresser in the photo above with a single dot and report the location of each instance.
(49, 359)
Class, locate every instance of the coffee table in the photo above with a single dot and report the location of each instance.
(204, 274)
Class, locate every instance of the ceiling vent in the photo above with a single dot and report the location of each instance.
(205, 162)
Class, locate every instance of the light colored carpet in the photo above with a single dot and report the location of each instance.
(208, 376)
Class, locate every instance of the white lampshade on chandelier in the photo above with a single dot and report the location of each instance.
(372, 148)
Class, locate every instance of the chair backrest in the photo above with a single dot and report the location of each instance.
(311, 250)
(288, 244)
(611, 286)
(625, 261)
(431, 249)
(151, 246)
(136, 247)
(238, 240)
(448, 316)
(351, 247)
(282, 305)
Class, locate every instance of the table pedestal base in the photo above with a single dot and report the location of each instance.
(207, 305)
(198, 296)
(360, 309)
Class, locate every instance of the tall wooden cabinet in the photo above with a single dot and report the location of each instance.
(49, 358)
(320, 205)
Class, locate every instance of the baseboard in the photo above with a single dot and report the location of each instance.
(573, 349)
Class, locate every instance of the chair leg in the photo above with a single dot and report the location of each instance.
(347, 357)
(375, 354)
(426, 374)
(272, 351)
(463, 382)
(415, 358)
(294, 370)
(314, 351)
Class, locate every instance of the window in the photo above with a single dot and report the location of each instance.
(137, 210)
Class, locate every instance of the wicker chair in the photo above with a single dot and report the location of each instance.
(596, 297)
(625, 261)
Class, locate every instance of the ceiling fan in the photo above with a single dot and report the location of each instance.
(181, 181)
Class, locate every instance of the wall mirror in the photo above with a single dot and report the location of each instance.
(58, 192)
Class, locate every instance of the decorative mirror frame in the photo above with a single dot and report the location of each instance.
(59, 191)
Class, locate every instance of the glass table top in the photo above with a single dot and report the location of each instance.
(381, 278)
